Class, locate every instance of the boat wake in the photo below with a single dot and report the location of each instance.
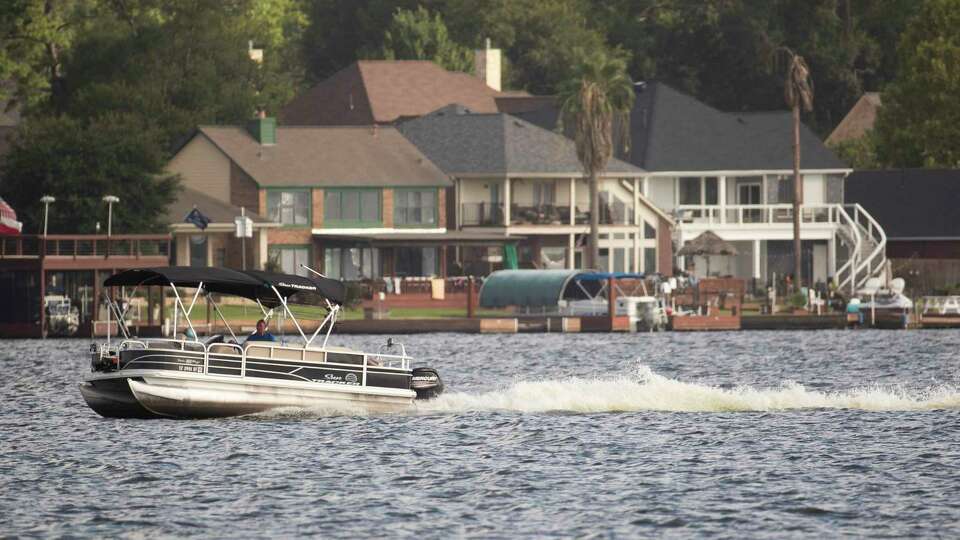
(649, 391)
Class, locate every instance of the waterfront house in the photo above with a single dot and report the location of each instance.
(731, 173)
(356, 202)
(514, 179)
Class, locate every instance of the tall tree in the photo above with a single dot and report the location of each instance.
(798, 93)
(919, 123)
(596, 103)
(79, 163)
(418, 35)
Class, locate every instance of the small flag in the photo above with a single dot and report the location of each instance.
(8, 219)
(198, 219)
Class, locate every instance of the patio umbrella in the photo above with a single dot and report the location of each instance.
(707, 244)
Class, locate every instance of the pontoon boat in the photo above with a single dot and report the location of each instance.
(189, 378)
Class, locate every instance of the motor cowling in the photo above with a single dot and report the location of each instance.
(426, 382)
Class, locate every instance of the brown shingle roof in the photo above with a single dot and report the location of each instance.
(381, 91)
(858, 121)
(328, 156)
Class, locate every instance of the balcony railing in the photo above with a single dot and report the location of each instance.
(491, 214)
(84, 245)
(753, 214)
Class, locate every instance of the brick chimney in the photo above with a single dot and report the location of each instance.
(487, 65)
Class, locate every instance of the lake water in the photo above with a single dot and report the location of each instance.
(759, 434)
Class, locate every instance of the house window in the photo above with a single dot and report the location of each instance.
(710, 190)
(351, 263)
(289, 207)
(649, 260)
(290, 258)
(784, 189)
(690, 191)
(545, 193)
(415, 207)
(198, 250)
(416, 261)
(357, 207)
(649, 232)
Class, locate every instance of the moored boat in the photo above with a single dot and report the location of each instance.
(135, 377)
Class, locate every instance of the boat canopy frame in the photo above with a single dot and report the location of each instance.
(267, 289)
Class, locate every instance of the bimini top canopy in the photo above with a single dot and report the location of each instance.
(542, 288)
(252, 284)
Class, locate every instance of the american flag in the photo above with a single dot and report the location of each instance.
(8, 219)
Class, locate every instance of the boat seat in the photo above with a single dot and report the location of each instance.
(223, 348)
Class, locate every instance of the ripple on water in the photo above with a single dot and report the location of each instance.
(764, 433)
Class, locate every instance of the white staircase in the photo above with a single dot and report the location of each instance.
(866, 245)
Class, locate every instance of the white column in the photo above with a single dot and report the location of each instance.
(262, 248)
(722, 197)
(458, 197)
(506, 201)
(209, 250)
(571, 252)
(573, 204)
(832, 257)
(756, 259)
(637, 226)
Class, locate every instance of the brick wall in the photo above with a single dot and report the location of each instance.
(317, 200)
(262, 206)
(442, 207)
(387, 207)
(243, 189)
(289, 236)
(664, 247)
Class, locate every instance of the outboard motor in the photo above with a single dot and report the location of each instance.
(426, 383)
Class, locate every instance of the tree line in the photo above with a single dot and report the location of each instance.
(109, 88)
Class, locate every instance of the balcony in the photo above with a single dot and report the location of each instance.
(754, 214)
(487, 214)
(76, 247)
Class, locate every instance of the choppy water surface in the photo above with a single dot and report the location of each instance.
(733, 434)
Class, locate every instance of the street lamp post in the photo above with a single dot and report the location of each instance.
(46, 200)
(110, 199)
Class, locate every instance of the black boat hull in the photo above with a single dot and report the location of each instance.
(112, 398)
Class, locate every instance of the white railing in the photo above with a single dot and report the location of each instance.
(874, 264)
(756, 214)
(846, 275)
(273, 352)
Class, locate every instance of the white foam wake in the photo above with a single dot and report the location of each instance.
(649, 391)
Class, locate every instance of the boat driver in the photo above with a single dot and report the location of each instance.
(261, 334)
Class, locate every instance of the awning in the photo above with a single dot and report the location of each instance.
(526, 288)
(543, 288)
(251, 284)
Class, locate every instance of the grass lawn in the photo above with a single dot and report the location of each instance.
(252, 313)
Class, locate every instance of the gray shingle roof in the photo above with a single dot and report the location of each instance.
(672, 131)
(461, 142)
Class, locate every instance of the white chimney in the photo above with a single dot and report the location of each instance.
(487, 65)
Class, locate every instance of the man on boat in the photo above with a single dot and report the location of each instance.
(261, 334)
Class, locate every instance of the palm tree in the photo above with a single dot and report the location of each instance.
(797, 91)
(596, 104)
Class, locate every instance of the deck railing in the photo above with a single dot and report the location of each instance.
(274, 352)
(77, 246)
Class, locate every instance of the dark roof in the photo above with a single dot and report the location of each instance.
(383, 91)
(214, 209)
(909, 203)
(463, 142)
(328, 156)
(671, 131)
(251, 284)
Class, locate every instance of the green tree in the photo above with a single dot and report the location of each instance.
(919, 123)
(596, 104)
(79, 163)
(416, 35)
